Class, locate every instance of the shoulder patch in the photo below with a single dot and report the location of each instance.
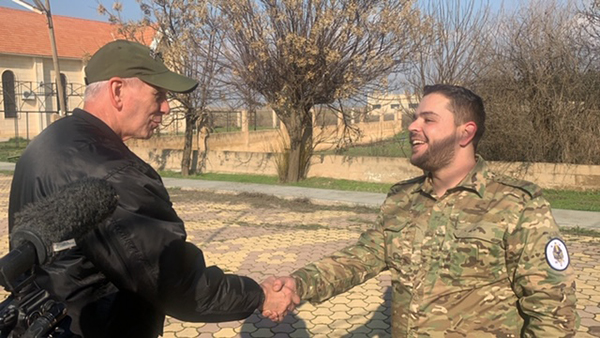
(530, 188)
(557, 255)
(405, 184)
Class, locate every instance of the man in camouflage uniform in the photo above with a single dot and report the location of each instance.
(472, 253)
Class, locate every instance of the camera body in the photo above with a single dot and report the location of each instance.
(32, 312)
(29, 311)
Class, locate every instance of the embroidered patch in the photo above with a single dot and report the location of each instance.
(557, 254)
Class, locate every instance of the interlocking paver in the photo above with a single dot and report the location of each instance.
(283, 328)
(246, 328)
(173, 327)
(226, 333)
(264, 332)
(233, 324)
(299, 334)
(268, 236)
(323, 311)
(187, 332)
(339, 308)
(299, 325)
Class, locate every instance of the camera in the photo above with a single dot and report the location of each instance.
(28, 311)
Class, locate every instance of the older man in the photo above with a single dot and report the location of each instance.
(137, 268)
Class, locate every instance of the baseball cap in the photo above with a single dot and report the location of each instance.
(126, 59)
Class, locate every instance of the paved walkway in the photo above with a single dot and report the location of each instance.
(584, 219)
(268, 237)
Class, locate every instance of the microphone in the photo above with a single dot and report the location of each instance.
(54, 224)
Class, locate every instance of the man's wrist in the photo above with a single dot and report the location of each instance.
(299, 285)
(262, 297)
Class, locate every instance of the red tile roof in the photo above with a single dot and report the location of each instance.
(26, 33)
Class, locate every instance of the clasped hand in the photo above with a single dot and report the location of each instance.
(280, 297)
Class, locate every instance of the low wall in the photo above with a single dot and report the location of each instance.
(370, 169)
(270, 139)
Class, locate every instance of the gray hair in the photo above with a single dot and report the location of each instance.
(93, 89)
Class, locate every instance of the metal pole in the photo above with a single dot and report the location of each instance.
(60, 89)
(41, 9)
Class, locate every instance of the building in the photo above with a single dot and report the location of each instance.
(29, 100)
(391, 103)
(392, 106)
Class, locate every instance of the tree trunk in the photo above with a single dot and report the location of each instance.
(186, 159)
(203, 134)
(300, 134)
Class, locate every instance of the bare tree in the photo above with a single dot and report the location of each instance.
(302, 53)
(454, 48)
(541, 91)
(589, 21)
(190, 44)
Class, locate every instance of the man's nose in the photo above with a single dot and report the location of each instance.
(413, 126)
(165, 108)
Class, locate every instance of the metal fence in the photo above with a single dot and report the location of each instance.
(226, 121)
(27, 107)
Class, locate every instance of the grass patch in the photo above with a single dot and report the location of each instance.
(229, 129)
(278, 226)
(11, 150)
(559, 199)
(397, 146)
(578, 231)
(346, 185)
(573, 200)
(313, 182)
(241, 178)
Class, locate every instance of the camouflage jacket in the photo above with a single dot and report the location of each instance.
(485, 259)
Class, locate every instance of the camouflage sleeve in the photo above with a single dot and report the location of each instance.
(540, 273)
(344, 269)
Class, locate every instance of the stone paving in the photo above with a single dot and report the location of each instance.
(261, 236)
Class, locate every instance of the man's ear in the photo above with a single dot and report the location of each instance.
(115, 87)
(467, 133)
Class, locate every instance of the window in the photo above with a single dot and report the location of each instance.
(8, 94)
(63, 81)
(396, 106)
(413, 105)
(376, 106)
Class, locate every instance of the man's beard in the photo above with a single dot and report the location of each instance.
(437, 156)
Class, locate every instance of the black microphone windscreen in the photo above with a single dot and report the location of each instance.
(72, 212)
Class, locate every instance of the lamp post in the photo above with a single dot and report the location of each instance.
(41, 9)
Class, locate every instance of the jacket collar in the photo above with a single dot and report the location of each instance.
(475, 181)
(96, 122)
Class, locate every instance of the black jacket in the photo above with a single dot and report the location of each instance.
(135, 269)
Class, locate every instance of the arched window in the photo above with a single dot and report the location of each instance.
(8, 94)
(63, 81)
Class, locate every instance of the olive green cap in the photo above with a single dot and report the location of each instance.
(125, 59)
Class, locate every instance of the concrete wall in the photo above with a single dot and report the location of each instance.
(269, 140)
(252, 153)
(372, 169)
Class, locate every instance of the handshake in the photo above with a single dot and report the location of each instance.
(280, 297)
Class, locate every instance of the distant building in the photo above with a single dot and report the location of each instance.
(392, 106)
(29, 94)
